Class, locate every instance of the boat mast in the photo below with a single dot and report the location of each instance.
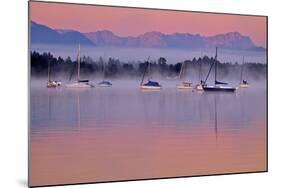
(181, 70)
(103, 66)
(48, 70)
(200, 68)
(216, 64)
(208, 74)
(149, 72)
(241, 75)
(78, 61)
(145, 70)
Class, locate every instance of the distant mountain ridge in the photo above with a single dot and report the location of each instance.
(232, 40)
(41, 34)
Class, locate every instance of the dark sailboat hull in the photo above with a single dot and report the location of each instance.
(219, 89)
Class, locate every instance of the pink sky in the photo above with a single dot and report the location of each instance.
(133, 22)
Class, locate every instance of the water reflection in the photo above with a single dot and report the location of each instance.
(124, 133)
(78, 112)
(216, 121)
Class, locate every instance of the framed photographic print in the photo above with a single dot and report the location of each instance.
(126, 93)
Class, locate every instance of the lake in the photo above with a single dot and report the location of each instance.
(124, 133)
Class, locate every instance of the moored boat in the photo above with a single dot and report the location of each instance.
(149, 85)
(218, 86)
(243, 83)
(199, 86)
(105, 83)
(184, 84)
(79, 83)
(52, 83)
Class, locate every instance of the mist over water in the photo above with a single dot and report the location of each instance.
(231, 73)
(140, 54)
(134, 82)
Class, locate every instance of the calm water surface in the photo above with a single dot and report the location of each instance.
(122, 133)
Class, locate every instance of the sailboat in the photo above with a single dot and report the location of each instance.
(79, 83)
(243, 83)
(183, 85)
(199, 86)
(150, 85)
(218, 86)
(51, 83)
(104, 83)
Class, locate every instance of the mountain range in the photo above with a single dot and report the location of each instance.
(41, 34)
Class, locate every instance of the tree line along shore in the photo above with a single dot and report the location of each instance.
(113, 68)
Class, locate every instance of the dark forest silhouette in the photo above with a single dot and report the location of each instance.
(113, 68)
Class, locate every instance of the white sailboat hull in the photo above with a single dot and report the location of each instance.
(244, 85)
(151, 87)
(104, 85)
(199, 87)
(79, 85)
(52, 84)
